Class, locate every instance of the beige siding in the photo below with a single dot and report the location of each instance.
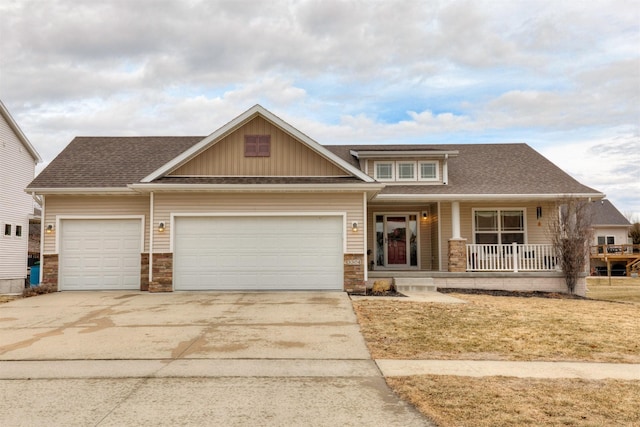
(289, 157)
(537, 230)
(426, 227)
(16, 172)
(620, 234)
(98, 206)
(214, 203)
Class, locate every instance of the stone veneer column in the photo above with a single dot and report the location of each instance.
(144, 272)
(50, 270)
(162, 273)
(458, 255)
(354, 272)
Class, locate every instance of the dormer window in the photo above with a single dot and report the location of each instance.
(428, 171)
(257, 145)
(406, 171)
(384, 171)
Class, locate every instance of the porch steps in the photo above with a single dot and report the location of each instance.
(414, 284)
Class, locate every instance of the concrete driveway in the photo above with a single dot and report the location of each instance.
(133, 358)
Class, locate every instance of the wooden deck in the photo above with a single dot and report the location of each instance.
(610, 254)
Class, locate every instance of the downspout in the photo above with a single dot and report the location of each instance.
(42, 237)
(445, 170)
(151, 236)
(364, 243)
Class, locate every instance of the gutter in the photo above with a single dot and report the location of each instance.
(487, 197)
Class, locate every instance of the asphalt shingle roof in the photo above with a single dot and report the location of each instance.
(604, 213)
(99, 162)
(485, 169)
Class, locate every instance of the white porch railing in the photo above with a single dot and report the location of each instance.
(513, 257)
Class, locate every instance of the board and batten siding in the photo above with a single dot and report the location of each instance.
(247, 203)
(92, 206)
(288, 156)
(17, 168)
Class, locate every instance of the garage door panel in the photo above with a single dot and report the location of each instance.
(100, 254)
(253, 253)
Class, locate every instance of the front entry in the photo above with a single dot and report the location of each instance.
(396, 241)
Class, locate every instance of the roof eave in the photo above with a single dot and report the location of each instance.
(380, 154)
(18, 132)
(489, 197)
(148, 187)
(79, 190)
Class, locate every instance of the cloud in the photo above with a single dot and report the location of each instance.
(341, 71)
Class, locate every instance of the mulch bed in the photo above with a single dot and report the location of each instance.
(520, 294)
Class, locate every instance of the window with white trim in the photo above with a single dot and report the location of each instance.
(406, 171)
(503, 226)
(383, 171)
(428, 171)
(18, 231)
(7, 229)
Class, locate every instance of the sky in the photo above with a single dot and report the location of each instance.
(561, 76)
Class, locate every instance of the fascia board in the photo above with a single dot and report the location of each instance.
(369, 154)
(486, 197)
(237, 122)
(256, 187)
(80, 190)
(18, 132)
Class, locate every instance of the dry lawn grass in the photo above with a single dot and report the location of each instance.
(625, 289)
(502, 328)
(7, 298)
(502, 401)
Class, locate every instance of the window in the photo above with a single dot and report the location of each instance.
(257, 145)
(7, 229)
(18, 231)
(384, 171)
(499, 226)
(406, 171)
(428, 171)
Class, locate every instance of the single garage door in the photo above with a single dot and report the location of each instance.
(258, 253)
(100, 254)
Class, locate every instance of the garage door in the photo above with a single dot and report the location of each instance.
(258, 253)
(100, 254)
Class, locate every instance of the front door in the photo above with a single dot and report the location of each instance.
(396, 241)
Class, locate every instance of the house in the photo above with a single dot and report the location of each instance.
(259, 205)
(612, 252)
(18, 159)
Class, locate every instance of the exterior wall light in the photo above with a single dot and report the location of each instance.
(161, 227)
(354, 226)
(425, 214)
(539, 212)
(49, 229)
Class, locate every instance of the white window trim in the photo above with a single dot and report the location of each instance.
(430, 162)
(393, 170)
(415, 174)
(500, 231)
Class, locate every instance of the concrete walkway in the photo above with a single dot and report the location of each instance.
(485, 368)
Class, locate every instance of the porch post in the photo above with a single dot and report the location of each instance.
(455, 220)
(457, 245)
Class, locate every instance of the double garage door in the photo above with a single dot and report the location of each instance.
(258, 253)
(210, 253)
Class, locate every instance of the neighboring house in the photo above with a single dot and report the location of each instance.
(611, 249)
(259, 205)
(18, 159)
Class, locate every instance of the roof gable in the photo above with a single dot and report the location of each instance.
(18, 133)
(243, 119)
(605, 213)
(287, 156)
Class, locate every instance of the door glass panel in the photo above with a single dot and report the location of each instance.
(379, 240)
(396, 240)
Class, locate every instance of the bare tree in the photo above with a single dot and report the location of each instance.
(571, 233)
